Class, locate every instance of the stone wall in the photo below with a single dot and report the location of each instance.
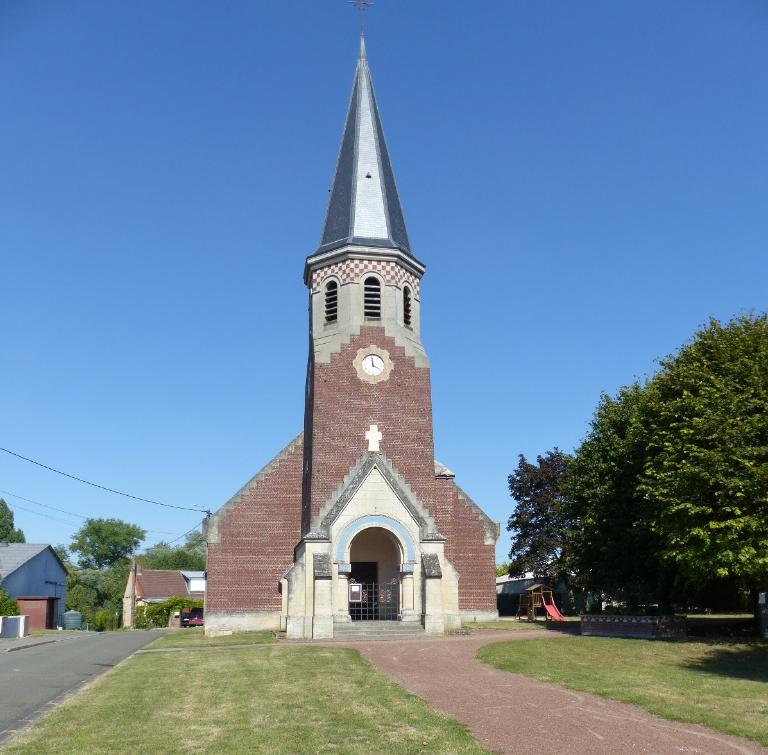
(639, 627)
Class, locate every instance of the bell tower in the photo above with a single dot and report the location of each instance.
(367, 365)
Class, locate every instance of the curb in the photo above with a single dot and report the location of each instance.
(29, 645)
(33, 644)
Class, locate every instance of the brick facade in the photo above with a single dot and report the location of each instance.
(340, 409)
(260, 527)
(256, 532)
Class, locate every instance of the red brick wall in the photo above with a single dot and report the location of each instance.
(259, 530)
(465, 548)
(342, 407)
(257, 537)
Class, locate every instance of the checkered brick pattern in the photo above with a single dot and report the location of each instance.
(351, 271)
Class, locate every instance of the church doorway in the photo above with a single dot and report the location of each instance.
(374, 577)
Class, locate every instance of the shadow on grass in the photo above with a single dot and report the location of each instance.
(744, 662)
(703, 626)
(564, 627)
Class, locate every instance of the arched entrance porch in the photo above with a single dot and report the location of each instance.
(376, 550)
(375, 557)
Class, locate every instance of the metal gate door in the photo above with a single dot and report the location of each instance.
(374, 601)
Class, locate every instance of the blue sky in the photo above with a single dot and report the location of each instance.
(587, 183)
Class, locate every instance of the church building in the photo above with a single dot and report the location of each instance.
(354, 520)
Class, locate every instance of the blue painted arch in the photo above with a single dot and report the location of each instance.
(376, 520)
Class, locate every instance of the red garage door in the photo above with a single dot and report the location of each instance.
(41, 610)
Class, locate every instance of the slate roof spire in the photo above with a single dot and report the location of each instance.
(364, 207)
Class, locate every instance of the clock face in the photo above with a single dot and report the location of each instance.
(373, 365)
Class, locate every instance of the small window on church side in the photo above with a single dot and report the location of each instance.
(372, 298)
(331, 301)
(407, 307)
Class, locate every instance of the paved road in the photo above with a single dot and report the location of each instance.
(35, 679)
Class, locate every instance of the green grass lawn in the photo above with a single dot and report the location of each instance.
(269, 699)
(720, 685)
(194, 638)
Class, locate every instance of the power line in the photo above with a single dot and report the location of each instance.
(46, 516)
(101, 487)
(171, 542)
(44, 505)
(76, 524)
(63, 511)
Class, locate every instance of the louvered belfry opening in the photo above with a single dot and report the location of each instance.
(372, 298)
(331, 301)
(407, 307)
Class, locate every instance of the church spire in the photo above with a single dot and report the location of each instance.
(364, 207)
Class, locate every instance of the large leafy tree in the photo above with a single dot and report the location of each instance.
(100, 543)
(540, 520)
(93, 590)
(705, 475)
(190, 555)
(8, 533)
(612, 547)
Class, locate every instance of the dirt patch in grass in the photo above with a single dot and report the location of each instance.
(510, 624)
(270, 699)
(720, 685)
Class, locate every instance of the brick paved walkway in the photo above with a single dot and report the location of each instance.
(509, 713)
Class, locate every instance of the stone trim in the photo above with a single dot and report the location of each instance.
(321, 525)
(211, 524)
(374, 520)
(321, 564)
(492, 529)
(430, 563)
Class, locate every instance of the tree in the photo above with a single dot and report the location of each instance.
(540, 519)
(93, 590)
(670, 487)
(8, 534)
(8, 605)
(103, 542)
(191, 555)
(163, 556)
(502, 569)
(196, 543)
(706, 469)
(63, 553)
(612, 548)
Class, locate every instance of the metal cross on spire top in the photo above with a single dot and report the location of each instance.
(362, 6)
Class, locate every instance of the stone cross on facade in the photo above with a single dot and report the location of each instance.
(373, 436)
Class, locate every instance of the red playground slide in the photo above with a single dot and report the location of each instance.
(551, 609)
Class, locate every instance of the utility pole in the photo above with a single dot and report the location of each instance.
(133, 587)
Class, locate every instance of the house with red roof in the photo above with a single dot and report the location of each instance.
(148, 586)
